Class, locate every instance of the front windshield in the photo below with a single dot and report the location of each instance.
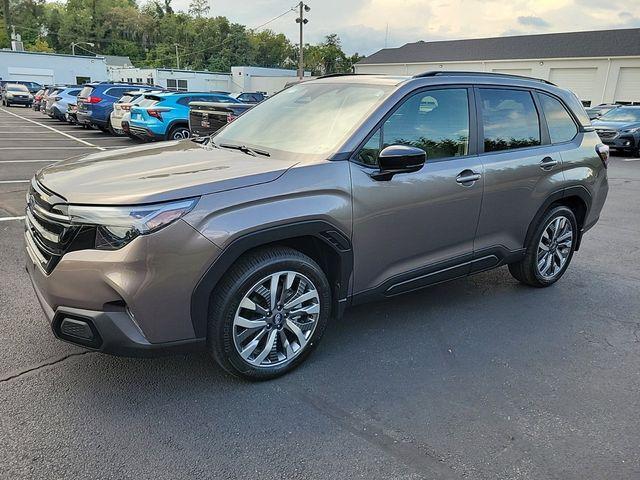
(622, 114)
(309, 118)
(17, 88)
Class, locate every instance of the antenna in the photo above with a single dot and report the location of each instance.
(386, 36)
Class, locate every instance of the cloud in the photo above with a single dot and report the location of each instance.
(533, 21)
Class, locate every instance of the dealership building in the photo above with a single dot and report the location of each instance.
(599, 66)
(51, 68)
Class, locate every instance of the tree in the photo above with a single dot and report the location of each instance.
(40, 45)
(199, 8)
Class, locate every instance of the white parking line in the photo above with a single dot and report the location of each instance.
(53, 129)
(51, 148)
(15, 181)
(31, 161)
(6, 219)
(631, 159)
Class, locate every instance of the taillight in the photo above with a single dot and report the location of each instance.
(38, 97)
(231, 117)
(155, 113)
(93, 100)
(603, 152)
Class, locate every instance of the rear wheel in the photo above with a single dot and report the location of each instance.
(550, 249)
(179, 132)
(268, 313)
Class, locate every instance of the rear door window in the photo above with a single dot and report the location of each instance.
(561, 126)
(116, 91)
(510, 119)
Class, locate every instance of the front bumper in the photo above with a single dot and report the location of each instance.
(19, 101)
(136, 300)
(622, 142)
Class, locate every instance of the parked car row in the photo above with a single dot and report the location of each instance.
(145, 112)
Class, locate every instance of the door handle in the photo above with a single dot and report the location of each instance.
(468, 177)
(548, 163)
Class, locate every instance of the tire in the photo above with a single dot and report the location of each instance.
(245, 284)
(528, 270)
(179, 132)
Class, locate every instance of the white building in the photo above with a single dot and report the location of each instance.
(260, 79)
(51, 68)
(241, 79)
(599, 66)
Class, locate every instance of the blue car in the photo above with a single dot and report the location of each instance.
(95, 102)
(165, 116)
(57, 102)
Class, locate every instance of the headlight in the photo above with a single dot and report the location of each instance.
(9, 95)
(631, 130)
(117, 226)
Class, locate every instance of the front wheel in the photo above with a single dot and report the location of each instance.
(550, 249)
(268, 313)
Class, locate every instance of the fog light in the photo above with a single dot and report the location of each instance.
(76, 328)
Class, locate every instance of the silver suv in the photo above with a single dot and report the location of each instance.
(331, 193)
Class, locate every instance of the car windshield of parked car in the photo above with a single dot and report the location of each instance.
(310, 118)
(622, 114)
(17, 88)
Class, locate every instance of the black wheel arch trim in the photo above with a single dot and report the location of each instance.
(174, 123)
(573, 191)
(320, 229)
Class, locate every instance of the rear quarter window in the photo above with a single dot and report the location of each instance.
(561, 126)
(85, 92)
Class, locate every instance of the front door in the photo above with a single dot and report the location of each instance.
(418, 228)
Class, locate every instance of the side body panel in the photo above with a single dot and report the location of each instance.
(413, 221)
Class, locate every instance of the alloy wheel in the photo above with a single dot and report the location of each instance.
(276, 319)
(180, 134)
(554, 247)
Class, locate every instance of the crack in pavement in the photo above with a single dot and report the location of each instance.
(421, 458)
(46, 363)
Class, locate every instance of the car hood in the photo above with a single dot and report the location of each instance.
(614, 125)
(157, 172)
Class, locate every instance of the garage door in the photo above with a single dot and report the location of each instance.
(628, 88)
(523, 72)
(579, 80)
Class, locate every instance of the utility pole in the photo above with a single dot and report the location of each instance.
(302, 21)
(177, 57)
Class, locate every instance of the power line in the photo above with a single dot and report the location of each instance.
(292, 9)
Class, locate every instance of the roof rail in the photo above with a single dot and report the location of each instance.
(478, 74)
(329, 75)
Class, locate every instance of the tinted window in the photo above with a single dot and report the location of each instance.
(562, 128)
(116, 92)
(186, 100)
(369, 152)
(510, 119)
(436, 121)
(73, 93)
(148, 102)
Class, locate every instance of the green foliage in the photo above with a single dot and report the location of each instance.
(148, 34)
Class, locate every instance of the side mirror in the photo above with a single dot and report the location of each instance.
(396, 159)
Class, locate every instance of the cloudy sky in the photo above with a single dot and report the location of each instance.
(362, 24)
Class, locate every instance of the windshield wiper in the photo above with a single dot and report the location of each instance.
(245, 149)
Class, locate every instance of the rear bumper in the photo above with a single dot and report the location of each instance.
(143, 133)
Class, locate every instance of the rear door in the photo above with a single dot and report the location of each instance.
(418, 228)
(522, 168)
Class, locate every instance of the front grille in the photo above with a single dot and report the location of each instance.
(48, 230)
(607, 134)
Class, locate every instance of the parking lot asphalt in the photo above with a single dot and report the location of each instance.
(479, 378)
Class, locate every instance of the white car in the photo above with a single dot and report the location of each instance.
(121, 109)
